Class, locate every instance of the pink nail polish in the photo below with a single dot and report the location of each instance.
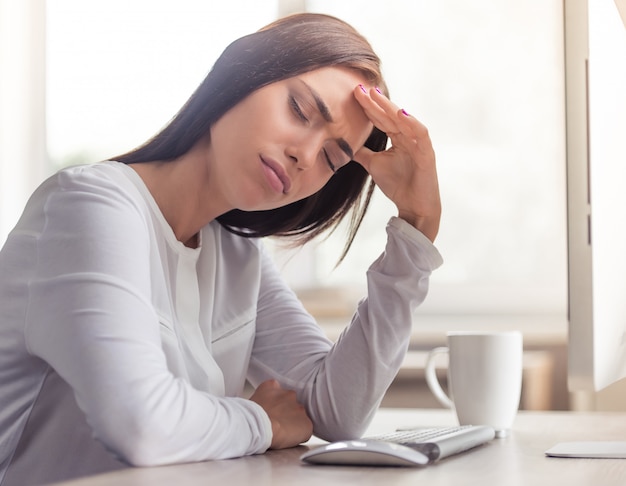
(404, 112)
(363, 88)
(378, 89)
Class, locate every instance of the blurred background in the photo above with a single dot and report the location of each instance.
(83, 81)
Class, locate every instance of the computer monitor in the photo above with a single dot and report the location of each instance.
(595, 67)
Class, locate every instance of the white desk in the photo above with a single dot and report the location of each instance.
(517, 460)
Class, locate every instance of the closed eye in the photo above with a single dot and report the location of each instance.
(329, 162)
(297, 110)
(293, 103)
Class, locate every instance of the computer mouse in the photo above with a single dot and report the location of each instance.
(365, 452)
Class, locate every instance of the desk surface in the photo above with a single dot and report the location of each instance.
(517, 460)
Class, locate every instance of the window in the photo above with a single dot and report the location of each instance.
(23, 161)
(119, 70)
(485, 77)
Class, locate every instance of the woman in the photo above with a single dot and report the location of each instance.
(136, 298)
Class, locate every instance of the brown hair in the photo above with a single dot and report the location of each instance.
(285, 48)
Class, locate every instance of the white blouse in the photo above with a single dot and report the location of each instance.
(119, 345)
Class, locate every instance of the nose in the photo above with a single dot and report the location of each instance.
(304, 154)
(303, 160)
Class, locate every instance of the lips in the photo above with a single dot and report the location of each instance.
(276, 175)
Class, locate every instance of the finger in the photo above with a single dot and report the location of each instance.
(375, 112)
(405, 123)
(378, 116)
(394, 121)
(388, 106)
(400, 116)
(410, 126)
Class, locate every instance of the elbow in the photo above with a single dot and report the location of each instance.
(345, 430)
(144, 455)
(143, 445)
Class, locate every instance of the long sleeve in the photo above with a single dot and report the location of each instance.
(343, 384)
(90, 317)
(113, 330)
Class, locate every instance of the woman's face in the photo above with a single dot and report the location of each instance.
(283, 142)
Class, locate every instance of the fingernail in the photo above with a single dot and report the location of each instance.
(363, 88)
(378, 89)
(404, 112)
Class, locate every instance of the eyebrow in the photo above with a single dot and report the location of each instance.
(325, 112)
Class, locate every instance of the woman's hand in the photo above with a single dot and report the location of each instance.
(290, 423)
(406, 172)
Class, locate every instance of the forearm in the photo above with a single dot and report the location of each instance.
(341, 385)
(116, 368)
(354, 376)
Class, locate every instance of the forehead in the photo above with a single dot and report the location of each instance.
(335, 86)
(335, 75)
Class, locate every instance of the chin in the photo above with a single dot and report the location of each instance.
(265, 205)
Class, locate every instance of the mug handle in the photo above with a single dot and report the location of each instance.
(431, 378)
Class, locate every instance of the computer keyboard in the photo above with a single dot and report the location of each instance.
(420, 434)
(440, 442)
(415, 447)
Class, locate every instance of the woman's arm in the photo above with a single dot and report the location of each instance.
(406, 172)
(91, 319)
(341, 385)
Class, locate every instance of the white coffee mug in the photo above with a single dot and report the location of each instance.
(484, 377)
